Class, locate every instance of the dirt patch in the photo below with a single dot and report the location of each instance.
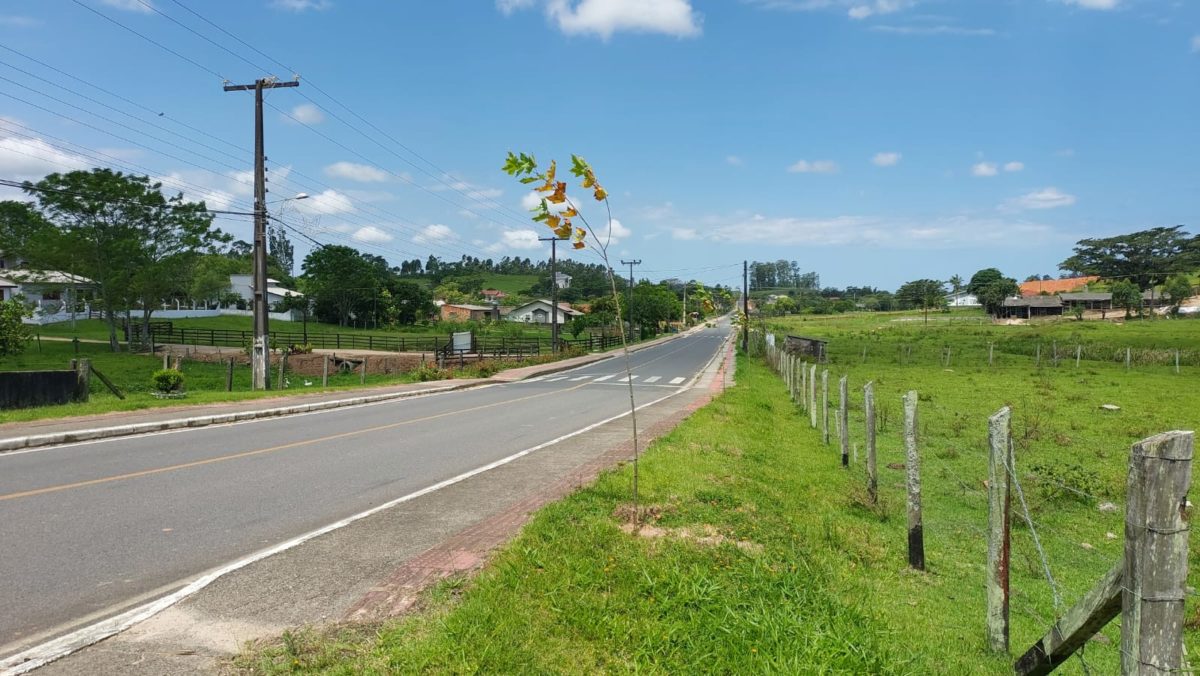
(705, 535)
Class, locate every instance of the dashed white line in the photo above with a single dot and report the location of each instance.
(676, 381)
(653, 379)
(555, 380)
(575, 380)
(604, 378)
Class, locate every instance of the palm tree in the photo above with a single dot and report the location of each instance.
(956, 283)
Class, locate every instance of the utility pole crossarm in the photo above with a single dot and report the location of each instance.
(265, 85)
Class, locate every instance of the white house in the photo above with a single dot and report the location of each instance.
(46, 290)
(963, 299)
(243, 286)
(562, 280)
(538, 312)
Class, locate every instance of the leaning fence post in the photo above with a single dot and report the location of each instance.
(844, 427)
(325, 369)
(869, 412)
(1156, 551)
(916, 535)
(825, 407)
(812, 395)
(999, 501)
(991, 347)
(1176, 362)
(1078, 353)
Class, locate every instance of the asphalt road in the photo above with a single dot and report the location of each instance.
(89, 529)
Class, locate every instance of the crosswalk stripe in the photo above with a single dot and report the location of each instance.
(676, 381)
(555, 380)
(579, 378)
(653, 379)
(534, 380)
(604, 378)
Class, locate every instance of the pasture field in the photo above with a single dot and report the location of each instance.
(768, 556)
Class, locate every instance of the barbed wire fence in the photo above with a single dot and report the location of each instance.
(1145, 584)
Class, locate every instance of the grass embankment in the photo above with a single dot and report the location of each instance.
(820, 582)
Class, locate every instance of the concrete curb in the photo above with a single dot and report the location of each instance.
(56, 438)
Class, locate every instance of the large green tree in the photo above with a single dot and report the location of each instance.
(1125, 294)
(1146, 258)
(119, 230)
(925, 294)
(991, 287)
(1177, 289)
(653, 306)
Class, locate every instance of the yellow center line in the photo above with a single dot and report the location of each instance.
(272, 449)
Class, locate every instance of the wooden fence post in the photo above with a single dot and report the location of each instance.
(1177, 362)
(1127, 360)
(991, 349)
(804, 385)
(325, 369)
(1078, 353)
(812, 395)
(916, 534)
(1000, 459)
(872, 475)
(825, 407)
(362, 374)
(1054, 352)
(229, 376)
(166, 363)
(844, 421)
(1038, 360)
(1156, 552)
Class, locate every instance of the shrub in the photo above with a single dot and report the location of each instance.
(427, 372)
(167, 380)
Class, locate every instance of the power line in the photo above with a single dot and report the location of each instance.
(104, 16)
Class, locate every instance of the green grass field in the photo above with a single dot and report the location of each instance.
(807, 576)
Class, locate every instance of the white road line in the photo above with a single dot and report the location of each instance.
(604, 378)
(533, 380)
(653, 379)
(575, 380)
(555, 380)
(62, 646)
(676, 381)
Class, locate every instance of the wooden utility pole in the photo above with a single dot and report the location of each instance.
(260, 351)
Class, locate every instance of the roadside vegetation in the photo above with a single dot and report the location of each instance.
(762, 554)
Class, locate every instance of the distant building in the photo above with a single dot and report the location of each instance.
(494, 294)
(1053, 286)
(1033, 306)
(963, 299)
(45, 290)
(461, 312)
(562, 280)
(243, 286)
(538, 312)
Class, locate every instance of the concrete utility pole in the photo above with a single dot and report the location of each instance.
(630, 311)
(553, 289)
(260, 355)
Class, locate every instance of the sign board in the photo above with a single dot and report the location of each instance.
(461, 341)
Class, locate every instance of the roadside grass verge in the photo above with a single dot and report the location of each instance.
(769, 556)
(736, 578)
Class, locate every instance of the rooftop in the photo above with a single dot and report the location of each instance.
(1053, 286)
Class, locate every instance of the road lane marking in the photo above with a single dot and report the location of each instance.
(261, 451)
(676, 381)
(43, 654)
(575, 380)
(604, 378)
(652, 379)
(555, 380)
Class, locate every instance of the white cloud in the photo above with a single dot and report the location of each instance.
(19, 21)
(613, 234)
(684, 234)
(518, 239)
(1195, 44)
(369, 234)
(814, 167)
(984, 169)
(1010, 167)
(129, 5)
(940, 29)
(1093, 4)
(31, 159)
(886, 159)
(325, 203)
(603, 18)
(1046, 198)
(734, 160)
(356, 172)
(301, 5)
(900, 233)
(433, 234)
(306, 113)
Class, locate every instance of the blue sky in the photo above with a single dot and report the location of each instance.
(873, 141)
